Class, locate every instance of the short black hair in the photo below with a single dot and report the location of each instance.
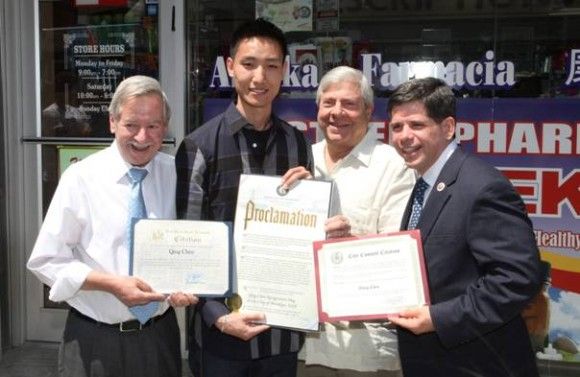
(435, 94)
(262, 29)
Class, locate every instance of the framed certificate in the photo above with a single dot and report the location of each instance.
(370, 277)
(184, 256)
(273, 234)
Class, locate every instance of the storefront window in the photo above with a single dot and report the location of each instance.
(514, 65)
(515, 48)
(86, 49)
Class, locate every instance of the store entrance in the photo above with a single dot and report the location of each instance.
(85, 50)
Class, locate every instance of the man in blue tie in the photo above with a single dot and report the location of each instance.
(482, 261)
(117, 325)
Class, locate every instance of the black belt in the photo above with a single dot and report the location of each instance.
(127, 326)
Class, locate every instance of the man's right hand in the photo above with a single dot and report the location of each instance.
(134, 291)
(293, 175)
(128, 289)
(242, 325)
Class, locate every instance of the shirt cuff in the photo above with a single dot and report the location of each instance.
(68, 281)
(212, 310)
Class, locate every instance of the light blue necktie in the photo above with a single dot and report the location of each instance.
(137, 211)
(418, 196)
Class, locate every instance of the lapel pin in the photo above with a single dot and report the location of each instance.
(440, 186)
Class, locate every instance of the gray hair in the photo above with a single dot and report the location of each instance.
(136, 86)
(344, 73)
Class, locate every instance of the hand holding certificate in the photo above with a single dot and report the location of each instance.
(183, 256)
(369, 277)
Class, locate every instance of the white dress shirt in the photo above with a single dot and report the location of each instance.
(374, 185)
(85, 228)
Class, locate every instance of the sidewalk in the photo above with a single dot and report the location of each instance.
(38, 359)
(31, 360)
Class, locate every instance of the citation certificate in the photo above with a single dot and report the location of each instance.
(183, 256)
(370, 277)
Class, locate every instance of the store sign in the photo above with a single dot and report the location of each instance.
(356, 8)
(483, 74)
(573, 68)
(476, 74)
(100, 62)
(101, 3)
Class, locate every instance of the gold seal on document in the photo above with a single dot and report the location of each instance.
(281, 190)
(234, 302)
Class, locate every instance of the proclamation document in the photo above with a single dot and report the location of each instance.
(184, 256)
(273, 234)
(369, 277)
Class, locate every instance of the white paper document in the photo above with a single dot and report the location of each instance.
(370, 277)
(183, 256)
(273, 235)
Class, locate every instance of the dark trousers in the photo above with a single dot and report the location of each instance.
(93, 349)
(205, 364)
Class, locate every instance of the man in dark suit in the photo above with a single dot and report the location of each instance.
(482, 261)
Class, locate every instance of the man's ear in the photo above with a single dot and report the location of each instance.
(448, 125)
(284, 68)
(230, 66)
(112, 124)
(369, 111)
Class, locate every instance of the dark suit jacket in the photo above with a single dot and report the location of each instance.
(483, 267)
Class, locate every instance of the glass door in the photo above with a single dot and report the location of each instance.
(85, 49)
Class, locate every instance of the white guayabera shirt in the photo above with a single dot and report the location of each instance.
(373, 185)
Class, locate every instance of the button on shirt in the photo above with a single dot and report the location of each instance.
(374, 185)
(85, 229)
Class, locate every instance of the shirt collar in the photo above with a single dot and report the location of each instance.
(432, 173)
(236, 121)
(363, 150)
(118, 167)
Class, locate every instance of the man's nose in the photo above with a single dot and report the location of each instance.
(406, 132)
(260, 74)
(141, 134)
(337, 109)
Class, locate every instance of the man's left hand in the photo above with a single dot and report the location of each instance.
(337, 227)
(178, 299)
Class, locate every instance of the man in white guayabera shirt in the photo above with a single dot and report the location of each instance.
(373, 184)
